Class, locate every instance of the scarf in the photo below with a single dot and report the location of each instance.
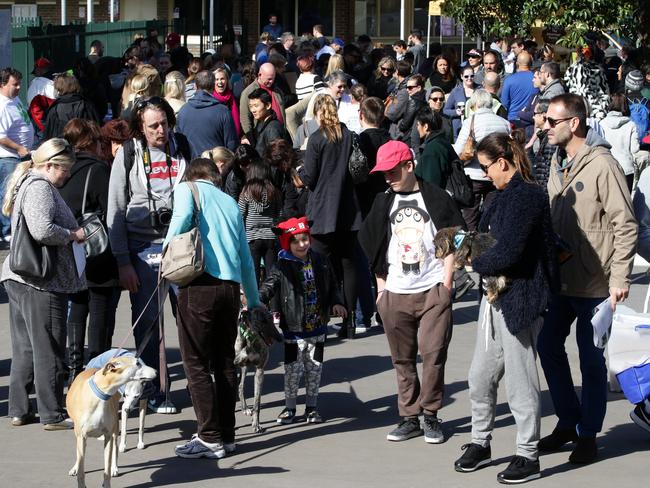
(274, 104)
(229, 101)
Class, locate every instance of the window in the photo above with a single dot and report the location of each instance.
(23, 11)
(377, 18)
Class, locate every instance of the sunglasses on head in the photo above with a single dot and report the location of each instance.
(553, 122)
(151, 101)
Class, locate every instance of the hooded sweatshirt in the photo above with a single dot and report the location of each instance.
(621, 133)
(207, 123)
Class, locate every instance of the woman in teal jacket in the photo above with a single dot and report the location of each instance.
(208, 308)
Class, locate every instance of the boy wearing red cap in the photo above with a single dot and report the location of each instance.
(306, 281)
(413, 286)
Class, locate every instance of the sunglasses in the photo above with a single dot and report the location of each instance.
(468, 77)
(485, 167)
(145, 102)
(387, 70)
(437, 99)
(553, 122)
(410, 87)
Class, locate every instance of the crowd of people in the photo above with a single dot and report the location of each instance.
(551, 161)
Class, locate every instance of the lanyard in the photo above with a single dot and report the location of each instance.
(148, 168)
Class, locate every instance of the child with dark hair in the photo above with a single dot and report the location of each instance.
(306, 281)
(260, 205)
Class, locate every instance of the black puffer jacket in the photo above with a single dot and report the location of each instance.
(64, 109)
(542, 160)
(286, 281)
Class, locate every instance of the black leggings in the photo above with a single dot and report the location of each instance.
(98, 304)
(262, 248)
(340, 248)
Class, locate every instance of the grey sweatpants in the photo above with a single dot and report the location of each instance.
(498, 353)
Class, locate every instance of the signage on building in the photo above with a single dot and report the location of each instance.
(237, 30)
(552, 33)
(435, 8)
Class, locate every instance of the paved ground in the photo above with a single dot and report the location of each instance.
(349, 449)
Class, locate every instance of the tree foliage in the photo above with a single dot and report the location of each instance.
(505, 18)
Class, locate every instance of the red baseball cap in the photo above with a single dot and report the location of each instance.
(42, 63)
(390, 155)
(646, 139)
(173, 38)
(289, 228)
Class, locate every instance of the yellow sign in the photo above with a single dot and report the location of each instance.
(435, 8)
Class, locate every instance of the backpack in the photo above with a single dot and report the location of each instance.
(640, 115)
(182, 147)
(358, 162)
(459, 185)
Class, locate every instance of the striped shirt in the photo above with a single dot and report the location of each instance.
(308, 83)
(259, 217)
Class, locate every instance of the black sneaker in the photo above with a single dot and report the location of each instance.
(557, 439)
(433, 430)
(406, 429)
(585, 451)
(640, 417)
(474, 457)
(519, 470)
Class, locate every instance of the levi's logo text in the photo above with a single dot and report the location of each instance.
(159, 169)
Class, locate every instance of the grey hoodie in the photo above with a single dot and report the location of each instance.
(128, 217)
(621, 133)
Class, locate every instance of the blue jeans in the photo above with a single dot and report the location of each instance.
(7, 166)
(141, 253)
(587, 413)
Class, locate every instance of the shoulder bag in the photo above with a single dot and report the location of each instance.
(27, 257)
(182, 259)
(469, 149)
(96, 242)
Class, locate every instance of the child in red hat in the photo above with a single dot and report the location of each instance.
(306, 281)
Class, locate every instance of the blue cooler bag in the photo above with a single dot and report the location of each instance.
(635, 382)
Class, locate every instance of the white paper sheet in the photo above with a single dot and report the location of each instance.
(79, 252)
(602, 323)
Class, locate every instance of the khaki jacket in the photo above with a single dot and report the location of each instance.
(245, 115)
(592, 212)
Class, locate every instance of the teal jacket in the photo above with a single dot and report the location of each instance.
(434, 161)
(226, 251)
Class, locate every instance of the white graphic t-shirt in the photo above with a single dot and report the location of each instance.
(412, 264)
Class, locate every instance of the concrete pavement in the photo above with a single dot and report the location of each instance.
(349, 450)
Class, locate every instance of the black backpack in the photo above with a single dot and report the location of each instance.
(459, 185)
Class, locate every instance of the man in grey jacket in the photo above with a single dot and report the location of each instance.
(143, 177)
(549, 76)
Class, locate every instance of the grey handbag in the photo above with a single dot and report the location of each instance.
(182, 259)
(96, 242)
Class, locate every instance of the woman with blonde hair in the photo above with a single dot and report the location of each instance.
(174, 90)
(142, 83)
(222, 158)
(335, 63)
(332, 203)
(382, 82)
(38, 306)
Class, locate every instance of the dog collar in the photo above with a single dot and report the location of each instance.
(459, 238)
(98, 393)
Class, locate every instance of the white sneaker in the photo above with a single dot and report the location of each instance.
(361, 329)
(196, 448)
(166, 407)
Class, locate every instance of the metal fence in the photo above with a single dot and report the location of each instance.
(62, 44)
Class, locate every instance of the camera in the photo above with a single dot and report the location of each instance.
(160, 217)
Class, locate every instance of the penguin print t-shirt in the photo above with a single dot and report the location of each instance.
(412, 264)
